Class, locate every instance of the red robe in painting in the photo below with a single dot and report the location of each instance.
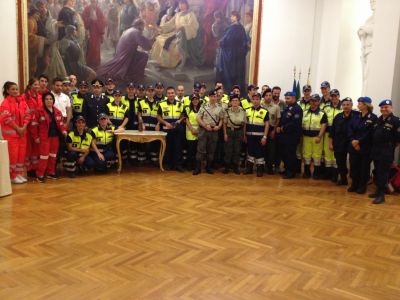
(210, 6)
(95, 23)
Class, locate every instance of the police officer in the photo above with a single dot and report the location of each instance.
(170, 116)
(210, 119)
(95, 105)
(180, 95)
(78, 145)
(304, 102)
(102, 155)
(314, 126)
(256, 129)
(119, 113)
(192, 130)
(234, 120)
(130, 100)
(360, 134)
(332, 110)
(79, 98)
(289, 132)
(147, 115)
(385, 139)
(339, 138)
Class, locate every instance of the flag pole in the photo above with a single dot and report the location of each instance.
(308, 77)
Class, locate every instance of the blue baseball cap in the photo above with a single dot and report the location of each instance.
(347, 99)
(315, 97)
(290, 94)
(325, 84)
(365, 100)
(385, 102)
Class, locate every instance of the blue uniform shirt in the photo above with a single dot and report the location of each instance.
(291, 123)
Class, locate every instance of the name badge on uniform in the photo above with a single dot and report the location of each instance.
(42, 118)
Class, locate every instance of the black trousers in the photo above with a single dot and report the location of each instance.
(360, 167)
(341, 161)
(271, 148)
(191, 154)
(382, 169)
(255, 150)
(288, 155)
(173, 152)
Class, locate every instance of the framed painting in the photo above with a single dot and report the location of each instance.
(141, 41)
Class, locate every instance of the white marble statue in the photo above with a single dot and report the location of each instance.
(365, 33)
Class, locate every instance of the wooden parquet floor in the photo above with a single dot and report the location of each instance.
(153, 235)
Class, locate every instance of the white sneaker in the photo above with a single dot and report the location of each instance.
(16, 180)
(22, 178)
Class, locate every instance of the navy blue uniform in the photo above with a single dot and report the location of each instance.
(360, 129)
(94, 106)
(339, 132)
(385, 137)
(289, 138)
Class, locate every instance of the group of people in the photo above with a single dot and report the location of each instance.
(259, 132)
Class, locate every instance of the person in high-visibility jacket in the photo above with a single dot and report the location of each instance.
(304, 103)
(102, 154)
(131, 100)
(49, 124)
(14, 119)
(332, 110)
(78, 145)
(256, 133)
(314, 126)
(247, 102)
(192, 130)
(79, 98)
(147, 116)
(34, 100)
(170, 116)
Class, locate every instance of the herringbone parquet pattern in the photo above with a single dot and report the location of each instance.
(153, 235)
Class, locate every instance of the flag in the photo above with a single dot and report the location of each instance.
(294, 86)
(298, 94)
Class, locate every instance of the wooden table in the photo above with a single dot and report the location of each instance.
(141, 137)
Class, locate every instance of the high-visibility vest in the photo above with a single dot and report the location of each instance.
(77, 103)
(331, 112)
(79, 141)
(149, 113)
(171, 112)
(192, 117)
(256, 118)
(246, 104)
(312, 122)
(304, 105)
(117, 112)
(104, 138)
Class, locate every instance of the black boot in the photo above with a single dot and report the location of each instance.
(197, 169)
(31, 173)
(361, 189)
(307, 171)
(298, 166)
(260, 170)
(379, 199)
(342, 180)
(317, 173)
(209, 169)
(249, 168)
(236, 169)
(327, 174)
(334, 175)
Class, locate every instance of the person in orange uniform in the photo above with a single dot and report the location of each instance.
(49, 123)
(34, 100)
(14, 119)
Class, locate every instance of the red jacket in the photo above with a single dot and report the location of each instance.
(41, 123)
(34, 102)
(13, 111)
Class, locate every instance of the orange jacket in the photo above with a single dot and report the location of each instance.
(14, 110)
(41, 123)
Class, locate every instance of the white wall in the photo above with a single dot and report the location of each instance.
(9, 50)
(286, 41)
(317, 33)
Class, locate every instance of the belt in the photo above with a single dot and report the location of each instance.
(234, 128)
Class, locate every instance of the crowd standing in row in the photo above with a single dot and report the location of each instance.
(233, 132)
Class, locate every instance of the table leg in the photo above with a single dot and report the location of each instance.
(161, 155)
(119, 154)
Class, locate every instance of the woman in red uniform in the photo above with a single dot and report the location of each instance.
(14, 119)
(48, 124)
(34, 100)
